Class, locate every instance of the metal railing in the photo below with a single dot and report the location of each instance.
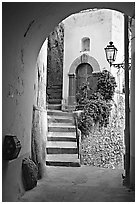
(78, 134)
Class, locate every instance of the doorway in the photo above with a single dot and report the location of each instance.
(84, 75)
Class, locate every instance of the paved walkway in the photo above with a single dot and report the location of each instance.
(80, 184)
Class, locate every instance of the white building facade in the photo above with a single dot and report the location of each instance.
(86, 34)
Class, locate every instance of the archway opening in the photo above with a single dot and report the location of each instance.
(21, 42)
(57, 64)
(80, 70)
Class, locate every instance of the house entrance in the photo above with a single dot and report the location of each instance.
(84, 75)
(81, 70)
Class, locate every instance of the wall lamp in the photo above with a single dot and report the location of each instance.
(111, 53)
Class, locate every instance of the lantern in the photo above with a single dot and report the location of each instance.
(111, 52)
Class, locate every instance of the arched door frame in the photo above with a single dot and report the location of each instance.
(85, 58)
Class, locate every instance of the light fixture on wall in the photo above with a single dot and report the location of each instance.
(111, 53)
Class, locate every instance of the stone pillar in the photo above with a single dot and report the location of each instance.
(132, 109)
(72, 90)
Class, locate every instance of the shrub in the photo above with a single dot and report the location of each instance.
(106, 85)
(97, 106)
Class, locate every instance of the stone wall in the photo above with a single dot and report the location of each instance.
(55, 56)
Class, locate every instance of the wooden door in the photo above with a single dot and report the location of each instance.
(83, 75)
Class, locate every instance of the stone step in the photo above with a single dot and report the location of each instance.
(55, 86)
(57, 94)
(63, 160)
(61, 144)
(62, 134)
(62, 157)
(55, 150)
(60, 119)
(58, 144)
(67, 164)
(54, 106)
(65, 139)
(54, 101)
(62, 125)
(59, 113)
(57, 89)
(61, 129)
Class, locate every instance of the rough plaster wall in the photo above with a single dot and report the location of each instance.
(38, 143)
(97, 25)
(39, 121)
(19, 62)
(25, 27)
(55, 56)
(41, 77)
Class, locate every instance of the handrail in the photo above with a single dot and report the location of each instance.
(78, 134)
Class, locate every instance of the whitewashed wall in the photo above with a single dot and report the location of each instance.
(101, 26)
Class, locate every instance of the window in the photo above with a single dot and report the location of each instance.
(85, 44)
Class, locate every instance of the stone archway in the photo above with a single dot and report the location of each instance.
(85, 58)
(19, 59)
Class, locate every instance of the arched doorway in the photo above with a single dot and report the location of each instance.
(81, 71)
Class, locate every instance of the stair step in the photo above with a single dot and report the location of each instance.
(68, 125)
(67, 164)
(61, 144)
(62, 157)
(54, 90)
(61, 150)
(54, 106)
(61, 129)
(62, 160)
(56, 93)
(61, 141)
(59, 117)
(60, 120)
(62, 134)
(54, 101)
(59, 113)
(65, 139)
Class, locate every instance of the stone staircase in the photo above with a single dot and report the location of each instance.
(55, 97)
(61, 141)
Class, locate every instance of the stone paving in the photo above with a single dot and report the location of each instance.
(80, 184)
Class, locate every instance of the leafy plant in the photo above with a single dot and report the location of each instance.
(106, 85)
(97, 106)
